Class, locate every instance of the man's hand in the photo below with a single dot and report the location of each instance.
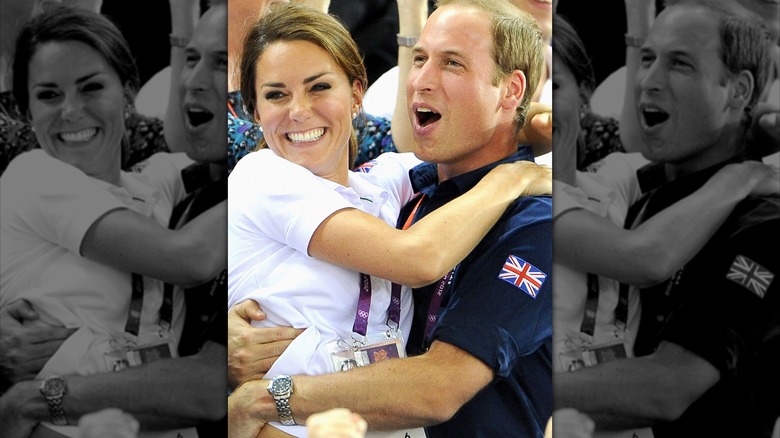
(252, 350)
(243, 420)
(537, 130)
(25, 342)
(13, 406)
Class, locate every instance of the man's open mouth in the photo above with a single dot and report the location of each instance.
(426, 116)
(653, 116)
(199, 116)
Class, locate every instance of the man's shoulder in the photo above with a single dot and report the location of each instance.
(530, 209)
(760, 212)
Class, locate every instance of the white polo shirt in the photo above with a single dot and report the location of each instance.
(608, 193)
(46, 208)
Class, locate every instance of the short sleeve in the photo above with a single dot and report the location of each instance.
(514, 275)
(163, 171)
(732, 295)
(270, 196)
(52, 200)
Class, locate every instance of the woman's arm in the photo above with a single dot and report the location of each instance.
(657, 248)
(431, 247)
(192, 255)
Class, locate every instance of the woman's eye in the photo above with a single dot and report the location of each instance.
(320, 87)
(46, 96)
(93, 87)
(273, 95)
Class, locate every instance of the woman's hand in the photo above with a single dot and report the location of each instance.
(336, 423)
(537, 130)
(521, 178)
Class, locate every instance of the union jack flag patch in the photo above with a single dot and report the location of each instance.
(750, 275)
(522, 275)
(366, 167)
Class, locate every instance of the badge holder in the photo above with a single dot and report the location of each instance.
(364, 350)
(136, 349)
(587, 354)
(147, 348)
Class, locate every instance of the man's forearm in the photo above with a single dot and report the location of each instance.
(395, 394)
(165, 394)
(636, 392)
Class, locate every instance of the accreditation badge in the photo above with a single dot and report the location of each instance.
(581, 354)
(364, 350)
(146, 348)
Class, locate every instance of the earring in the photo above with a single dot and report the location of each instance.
(354, 116)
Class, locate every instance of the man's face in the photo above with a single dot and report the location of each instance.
(452, 103)
(202, 89)
(681, 94)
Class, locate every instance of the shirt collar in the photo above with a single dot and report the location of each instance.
(425, 177)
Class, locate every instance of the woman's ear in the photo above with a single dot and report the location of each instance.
(514, 90)
(357, 95)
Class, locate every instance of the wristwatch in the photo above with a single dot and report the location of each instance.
(53, 389)
(281, 388)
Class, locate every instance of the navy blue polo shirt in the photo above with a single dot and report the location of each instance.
(724, 307)
(498, 307)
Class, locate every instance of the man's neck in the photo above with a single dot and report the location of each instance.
(730, 144)
(502, 145)
(217, 171)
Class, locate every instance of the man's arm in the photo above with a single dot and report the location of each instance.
(166, 394)
(637, 392)
(399, 393)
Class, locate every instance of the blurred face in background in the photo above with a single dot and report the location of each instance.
(542, 11)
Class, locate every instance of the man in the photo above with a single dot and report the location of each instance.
(174, 393)
(709, 338)
(484, 369)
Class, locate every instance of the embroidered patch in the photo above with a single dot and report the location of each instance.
(750, 275)
(366, 167)
(522, 275)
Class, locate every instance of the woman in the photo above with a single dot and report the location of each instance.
(302, 78)
(73, 225)
(590, 210)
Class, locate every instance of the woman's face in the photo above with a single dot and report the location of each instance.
(77, 106)
(566, 121)
(305, 104)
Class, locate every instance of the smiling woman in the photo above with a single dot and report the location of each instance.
(78, 234)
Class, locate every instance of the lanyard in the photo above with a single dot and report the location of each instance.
(133, 325)
(360, 326)
(433, 307)
(588, 326)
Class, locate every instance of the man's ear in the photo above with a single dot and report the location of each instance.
(742, 85)
(514, 90)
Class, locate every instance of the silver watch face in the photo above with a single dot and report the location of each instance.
(54, 386)
(281, 385)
